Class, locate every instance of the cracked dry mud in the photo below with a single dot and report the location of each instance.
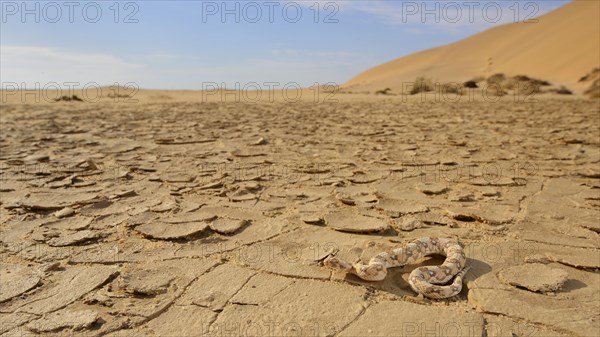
(197, 219)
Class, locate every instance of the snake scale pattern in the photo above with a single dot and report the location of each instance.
(431, 281)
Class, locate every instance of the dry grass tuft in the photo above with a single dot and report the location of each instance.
(471, 84)
(421, 84)
(594, 90)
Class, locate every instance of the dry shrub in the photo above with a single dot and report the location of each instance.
(471, 84)
(594, 90)
(73, 98)
(524, 78)
(421, 84)
(536, 81)
(523, 84)
(526, 88)
(496, 78)
(385, 91)
(510, 84)
(595, 73)
(494, 89)
(563, 91)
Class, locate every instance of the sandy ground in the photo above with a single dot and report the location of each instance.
(178, 218)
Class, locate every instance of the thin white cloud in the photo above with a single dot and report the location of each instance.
(43, 65)
(303, 68)
(339, 55)
(162, 56)
(448, 16)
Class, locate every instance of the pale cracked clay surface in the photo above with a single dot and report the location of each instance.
(207, 219)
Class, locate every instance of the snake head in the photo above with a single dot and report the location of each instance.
(335, 263)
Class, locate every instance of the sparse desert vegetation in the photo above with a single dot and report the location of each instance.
(562, 90)
(116, 95)
(472, 84)
(385, 91)
(523, 84)
(73, 98)
(421, 84)
(496, 79)
(595, 73)
(593, 91)
(494, 89)
(498, 84)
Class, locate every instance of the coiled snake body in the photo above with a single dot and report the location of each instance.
(430, 280)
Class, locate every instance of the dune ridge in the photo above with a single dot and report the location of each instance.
(561, 47)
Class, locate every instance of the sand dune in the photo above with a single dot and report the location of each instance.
(561, 48)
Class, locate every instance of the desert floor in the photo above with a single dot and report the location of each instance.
(174, 218)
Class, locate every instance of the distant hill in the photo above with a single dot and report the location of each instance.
(562, 47)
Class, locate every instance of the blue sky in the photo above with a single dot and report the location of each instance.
(187, 44)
